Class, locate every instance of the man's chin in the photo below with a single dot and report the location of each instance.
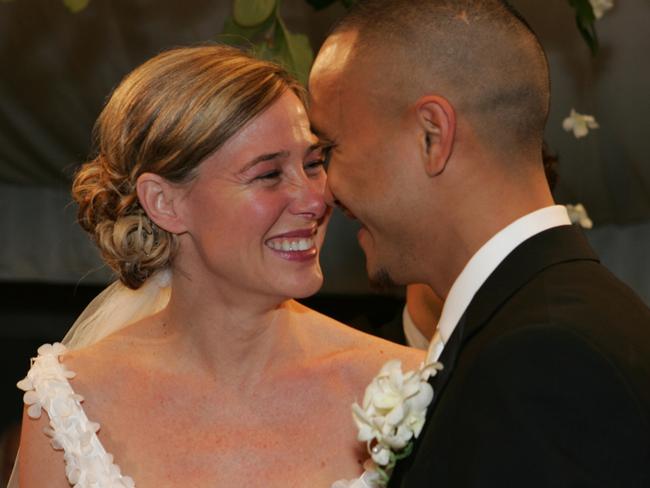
(381, 280)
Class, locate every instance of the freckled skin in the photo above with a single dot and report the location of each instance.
(231, 383)
(231, 213)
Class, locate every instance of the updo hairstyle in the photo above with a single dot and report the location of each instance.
(165, 117)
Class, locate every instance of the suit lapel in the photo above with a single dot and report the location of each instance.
(553, 246)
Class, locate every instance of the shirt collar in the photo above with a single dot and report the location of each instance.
(487, 259)
(414, 337)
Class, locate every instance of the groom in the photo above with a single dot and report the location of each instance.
(435, 112)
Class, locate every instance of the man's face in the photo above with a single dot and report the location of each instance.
(366, 174)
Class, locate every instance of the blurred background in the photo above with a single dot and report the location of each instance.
(57, 68)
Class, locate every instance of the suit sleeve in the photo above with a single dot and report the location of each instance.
(542, 407)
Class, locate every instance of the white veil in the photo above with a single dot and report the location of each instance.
(114, 308)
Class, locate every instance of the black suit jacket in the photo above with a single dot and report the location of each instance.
(546, 380)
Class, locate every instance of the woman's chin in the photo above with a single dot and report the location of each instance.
(306, 285)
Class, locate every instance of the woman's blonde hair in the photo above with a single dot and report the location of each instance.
(165, 117)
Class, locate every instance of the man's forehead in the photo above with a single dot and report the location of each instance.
(335, 55)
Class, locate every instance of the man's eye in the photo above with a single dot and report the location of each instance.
(322, 162)
(315, 166)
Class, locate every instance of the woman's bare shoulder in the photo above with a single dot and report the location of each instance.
(108, 356)
(39, 463)
(362, 352)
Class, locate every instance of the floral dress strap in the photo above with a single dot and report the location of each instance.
(87, 464)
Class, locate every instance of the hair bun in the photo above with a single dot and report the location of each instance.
(130, 243)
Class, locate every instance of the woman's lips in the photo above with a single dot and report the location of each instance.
(298, 245)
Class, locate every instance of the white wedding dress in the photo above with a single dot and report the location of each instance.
(47, 387)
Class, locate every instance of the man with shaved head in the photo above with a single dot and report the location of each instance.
(434, 111)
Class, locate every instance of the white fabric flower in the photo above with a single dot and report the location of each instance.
(601, 6)
(578, 215)
(369, 479)
(579, 124)
(87, 464)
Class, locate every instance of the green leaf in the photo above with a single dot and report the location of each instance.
(75, 6)
(294, 51)
(249, 13)
(589, 34)
(585, 20)
(236, 35)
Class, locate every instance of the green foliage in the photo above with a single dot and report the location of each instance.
(585, 20)
(76, 5)
(258, 25)
(250, 13)
(268, 38)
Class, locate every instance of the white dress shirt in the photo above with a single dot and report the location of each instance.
(480, 267)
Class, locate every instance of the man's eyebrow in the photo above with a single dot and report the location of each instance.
(264, 157)
(322, 144)
(324, 140)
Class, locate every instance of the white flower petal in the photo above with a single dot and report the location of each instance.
(600, 7)
(579, 124)
(422, 399)
(25, 384)
(396, 415)
(380, 455)
(34, 411)
(400, 438)
(578, 215)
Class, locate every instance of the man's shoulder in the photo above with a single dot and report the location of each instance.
(577, 294)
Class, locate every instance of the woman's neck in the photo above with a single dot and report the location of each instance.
(236, 338)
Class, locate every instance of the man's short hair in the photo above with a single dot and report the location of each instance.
(479, 54)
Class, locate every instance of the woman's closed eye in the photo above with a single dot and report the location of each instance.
(269, 175)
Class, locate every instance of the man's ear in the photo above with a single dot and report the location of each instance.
(159, 198)
(437, 120)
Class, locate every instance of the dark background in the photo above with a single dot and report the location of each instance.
(56, 69)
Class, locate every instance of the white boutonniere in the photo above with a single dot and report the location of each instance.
(393, 413)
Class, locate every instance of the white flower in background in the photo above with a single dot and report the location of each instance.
(579, 124)
(578, 215)
(394, 409)
(601, 6)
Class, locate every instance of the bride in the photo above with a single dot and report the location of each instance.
(197, 368)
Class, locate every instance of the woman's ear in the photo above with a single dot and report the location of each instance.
(159, 199)
(437, 120)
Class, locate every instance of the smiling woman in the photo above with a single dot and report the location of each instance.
(206, 197)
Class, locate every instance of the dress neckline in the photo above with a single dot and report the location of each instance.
(47, 387)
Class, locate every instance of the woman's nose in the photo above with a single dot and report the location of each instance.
(309, 198)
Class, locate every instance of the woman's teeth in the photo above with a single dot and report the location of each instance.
(291, 244)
